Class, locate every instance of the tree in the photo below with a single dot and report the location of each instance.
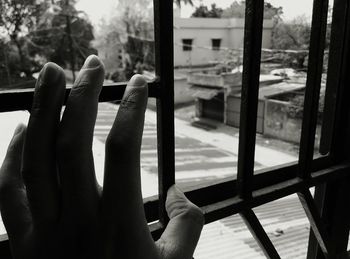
(16, 19)
(294, 35)
(237, 10)
(62, 35)
(203, 11)
(126, 41)
(46, 30)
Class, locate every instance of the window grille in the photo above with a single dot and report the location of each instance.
(328, 211)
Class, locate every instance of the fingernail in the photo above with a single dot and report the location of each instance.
(50, 74)
(92, 62)
(138, 81)
(136, 92)
(50, 83)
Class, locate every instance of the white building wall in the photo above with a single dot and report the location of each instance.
(202, 31)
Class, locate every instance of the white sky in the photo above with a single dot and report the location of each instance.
(96, 9)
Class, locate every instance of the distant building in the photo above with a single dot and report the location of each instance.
(199, 41)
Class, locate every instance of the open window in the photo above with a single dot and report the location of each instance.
(327, 210)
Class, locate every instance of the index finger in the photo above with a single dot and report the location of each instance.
(39, 160)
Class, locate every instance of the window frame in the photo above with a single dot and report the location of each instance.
(187, 46)
(215, 46)
(330, 174)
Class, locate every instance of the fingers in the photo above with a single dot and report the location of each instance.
(181, 236)
(122, 197)
(39, 161)
(74, 145)
(13, 201)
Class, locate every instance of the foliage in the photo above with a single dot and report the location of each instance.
(204, 12)
(52, 40)
(295, 110)
(292, 35)
(237, 10)
(127, 39)
(16, 20)
(38, 29)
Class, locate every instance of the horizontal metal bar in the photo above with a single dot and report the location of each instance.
(259, 234)
(21, 99)
(219, 201)
(267, 187)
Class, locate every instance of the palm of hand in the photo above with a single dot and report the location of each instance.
(50, 201)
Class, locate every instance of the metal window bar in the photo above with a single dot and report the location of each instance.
(335, 62)
(313, 85)
(249, 98)
(338, 69)
(164, 44)
(248, 191)
(259, 234)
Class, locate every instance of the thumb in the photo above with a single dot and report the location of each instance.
(181, 236)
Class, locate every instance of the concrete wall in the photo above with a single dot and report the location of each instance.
(279, 124)
(203, 30)
(182, 94)
(233, 109)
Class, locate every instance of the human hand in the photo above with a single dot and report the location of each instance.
(50, 201)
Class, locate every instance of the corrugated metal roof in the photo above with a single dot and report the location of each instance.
(284, 221)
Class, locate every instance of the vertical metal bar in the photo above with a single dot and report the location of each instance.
(316, 223)
(259, 234)
(333, 202)
(313, 250)
(341, 140)
(335, 63)
(163, 27)
(313, 83)
(250, 90)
